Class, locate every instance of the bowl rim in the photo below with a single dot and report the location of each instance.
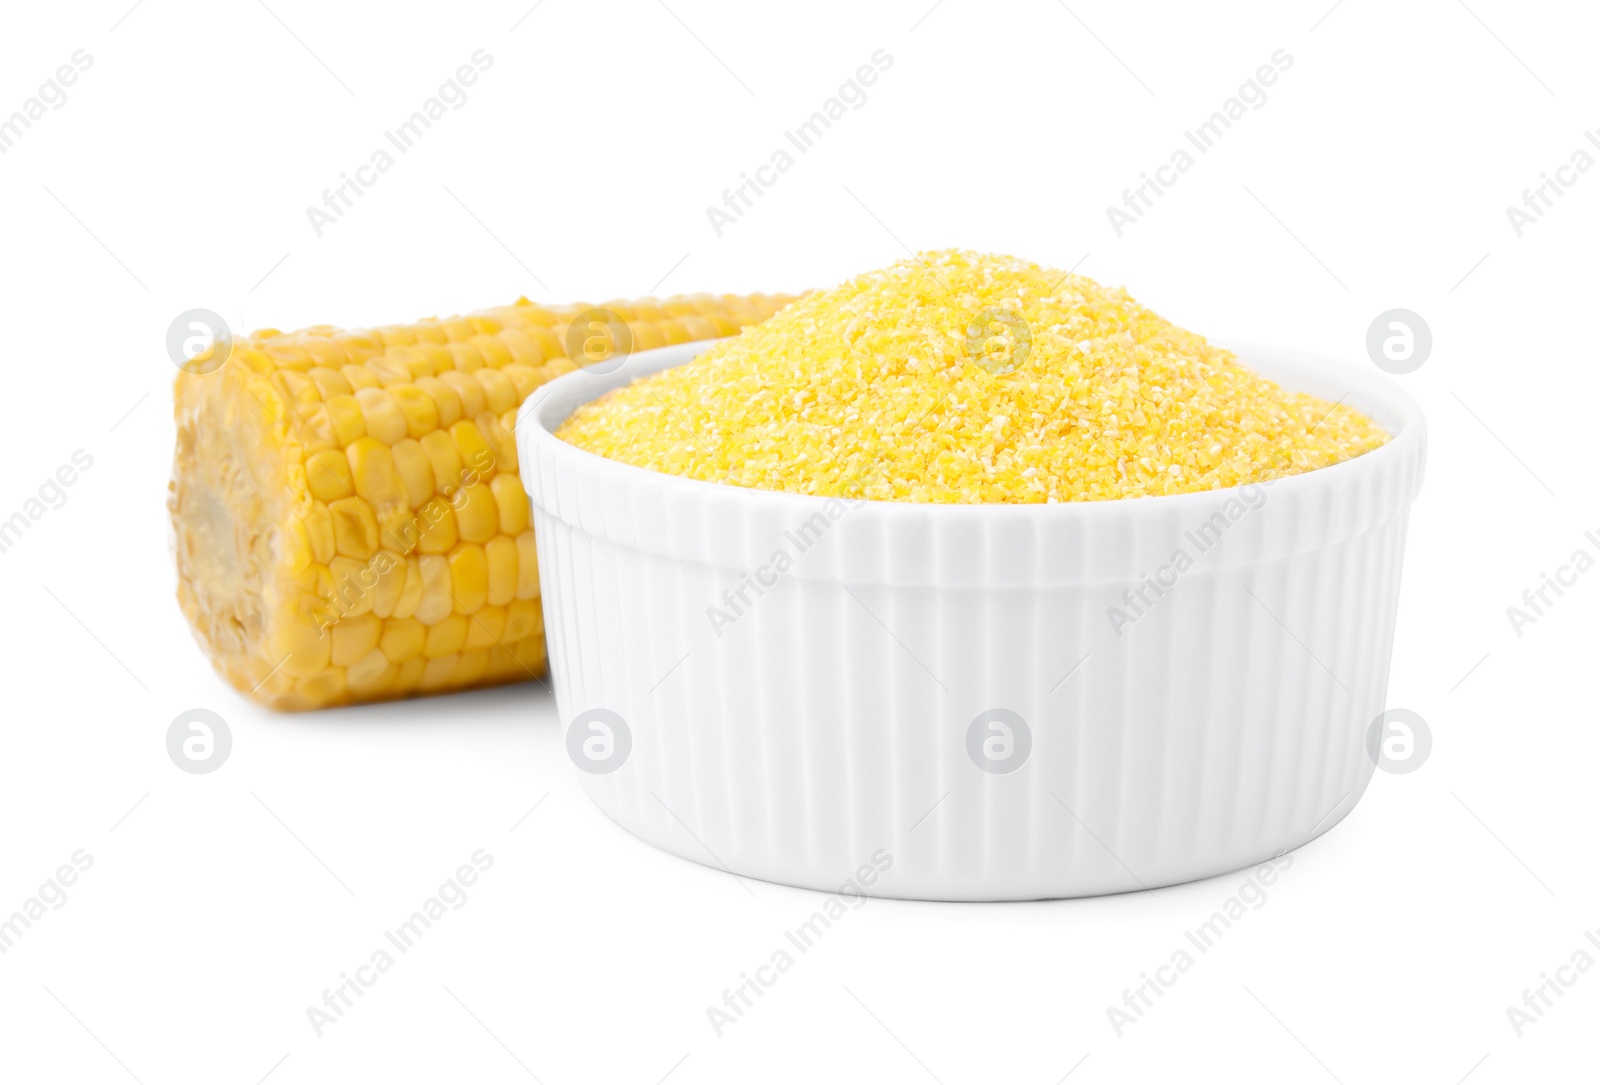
(1375, 394)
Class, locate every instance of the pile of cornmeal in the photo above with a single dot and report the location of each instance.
(958, 377)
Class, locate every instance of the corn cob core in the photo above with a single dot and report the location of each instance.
(349, 521)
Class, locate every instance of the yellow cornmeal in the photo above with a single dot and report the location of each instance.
(963, 378)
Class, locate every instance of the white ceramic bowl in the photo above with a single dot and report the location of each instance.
(939, 701)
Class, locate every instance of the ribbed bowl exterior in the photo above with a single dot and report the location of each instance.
(810, 718)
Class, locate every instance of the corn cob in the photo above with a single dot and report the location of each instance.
(349, 521)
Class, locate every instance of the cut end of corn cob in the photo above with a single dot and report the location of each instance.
(350, 525)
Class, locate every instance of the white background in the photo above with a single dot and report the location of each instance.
(177, 175)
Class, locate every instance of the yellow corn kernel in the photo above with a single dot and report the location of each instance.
(524, 379)
(523, 618)
(299, 544)
(469, 391)
(491, 351)
(352, 587)
(502, 446)
(287, 355)
(298, 390)
(474, 450)
(354, 638)
(390, 568)
(466, 357)
(409, 678)
(474, 663)
(315, 431)
(314, 580)
(362, 376)
(445, 400)
(415, 470)
(499, 393)
(324, 687)
(319, 530)
(355, 529)
(502, 665)
(500, 554)
(328, 475)
(438, 527)
(698, 327)
(372, 472)
(469, 577)
(524, 348)
(417, 407)
(358, 347)
(446, 461)
(646, 337)
(302, 651)
(391, 369)
(488, 624)
(549, 345)
(437, 675)
(397, 527)
(382, 414)
(477, 517)
(511, 503)
(557, 367)
(436, 602)
(344, 413)
(402, 639)
(371, 674)
(433, 359)
(529, 652)
(324, 351)
(446, 636)
(410, 590)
